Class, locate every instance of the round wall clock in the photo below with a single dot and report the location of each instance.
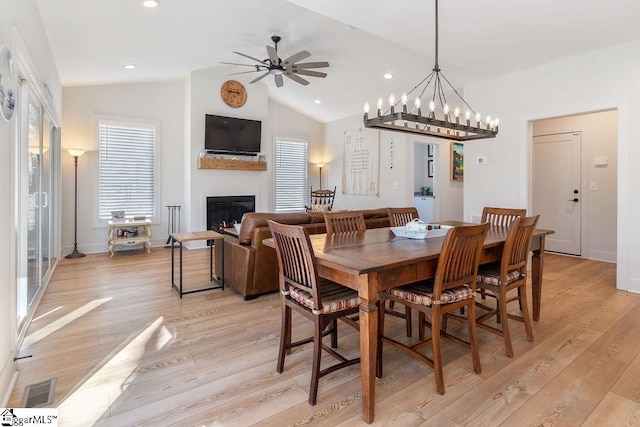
(233, 93)
(8, 92)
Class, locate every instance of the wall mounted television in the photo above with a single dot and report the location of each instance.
(230, 135)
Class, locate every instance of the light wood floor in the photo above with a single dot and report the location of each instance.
(127, 351)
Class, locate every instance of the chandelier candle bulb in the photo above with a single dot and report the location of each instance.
(419, 110)
(392, 103)
(366, 111)
(379, 107)
(478, 117)
(403, 99)
(445, 110)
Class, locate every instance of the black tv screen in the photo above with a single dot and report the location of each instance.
(232, 135)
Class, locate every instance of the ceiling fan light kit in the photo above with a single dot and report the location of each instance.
(277, 67)
(449, 125)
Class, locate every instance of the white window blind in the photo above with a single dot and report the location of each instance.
(127, 156)
(291, 175)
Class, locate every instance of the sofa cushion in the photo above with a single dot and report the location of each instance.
(252, 220)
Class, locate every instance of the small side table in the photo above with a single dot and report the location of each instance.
(190, 237)
(119, 233)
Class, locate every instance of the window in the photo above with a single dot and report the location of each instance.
(127, 168)
(291, 175)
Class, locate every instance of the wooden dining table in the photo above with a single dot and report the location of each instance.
(375, 259)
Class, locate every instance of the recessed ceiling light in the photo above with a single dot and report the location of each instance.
(129, 66)
(317, 101)
(150, 3)
(388, 76)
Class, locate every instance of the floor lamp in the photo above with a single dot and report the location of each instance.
(320, 165)
(75, 152)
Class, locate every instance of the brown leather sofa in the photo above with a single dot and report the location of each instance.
(252, 268)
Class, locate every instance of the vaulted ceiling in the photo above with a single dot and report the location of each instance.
(361, 39)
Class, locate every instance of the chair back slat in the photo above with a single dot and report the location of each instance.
(399, 217)
(518, 243)
(459, 258)
(344, 222)
(296, 260)
(501, 217)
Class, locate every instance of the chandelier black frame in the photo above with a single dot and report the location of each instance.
(447, 127)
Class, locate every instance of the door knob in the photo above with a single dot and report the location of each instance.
(575, 199)
(575, 191)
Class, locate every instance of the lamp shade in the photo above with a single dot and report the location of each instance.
(76, 152)
(320, 164)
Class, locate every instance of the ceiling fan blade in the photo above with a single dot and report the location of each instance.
(235, 63)
(273, 55)
(250, 57)
(297, 57)
(297, 78)
(311, 65)
(279, 81)
(310, 73)
(244, 72)
(259, 77)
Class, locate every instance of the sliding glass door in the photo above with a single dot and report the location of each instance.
(37, 144)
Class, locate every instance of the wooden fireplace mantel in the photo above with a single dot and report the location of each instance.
(234, 164)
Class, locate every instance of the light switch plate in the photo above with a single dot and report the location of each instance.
(593, 186)
(601, 161)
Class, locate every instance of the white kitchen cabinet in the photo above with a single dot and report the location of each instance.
(424, 205)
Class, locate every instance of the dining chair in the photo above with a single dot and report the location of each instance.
(319, 300)
(344, 222)
(399, 217)
(498, 279)
(321, 200)
(501, 217)
(452, 288)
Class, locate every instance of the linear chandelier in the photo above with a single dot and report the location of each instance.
(447, 125)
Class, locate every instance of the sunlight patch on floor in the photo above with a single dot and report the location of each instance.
(46, 314)
(114, 376)
(62, 322)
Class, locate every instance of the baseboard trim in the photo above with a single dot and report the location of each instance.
(602, 256)
(8, 379)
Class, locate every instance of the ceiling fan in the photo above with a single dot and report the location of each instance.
(278, 67)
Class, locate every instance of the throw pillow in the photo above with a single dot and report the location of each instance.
(320, 208)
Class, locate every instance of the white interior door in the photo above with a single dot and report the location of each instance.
(557, 188)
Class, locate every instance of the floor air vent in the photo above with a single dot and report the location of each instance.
(39, 394)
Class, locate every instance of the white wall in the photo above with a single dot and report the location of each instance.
(203, 90)
(21, 30)
(205, 99)
(449, 194)
(162, 102)
(396, 166)
(599, 213)
(602, 80)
